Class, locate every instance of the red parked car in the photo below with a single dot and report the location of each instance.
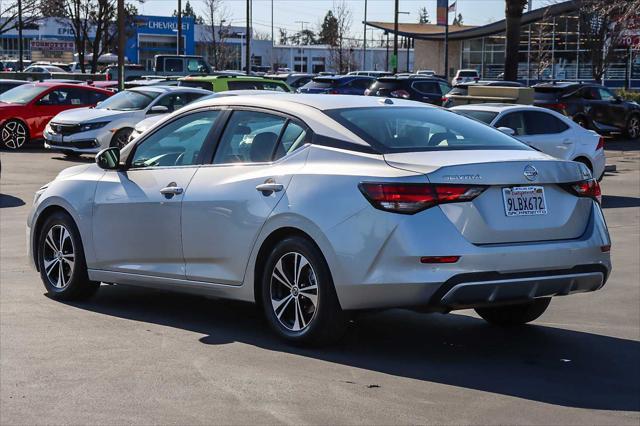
(25, 110)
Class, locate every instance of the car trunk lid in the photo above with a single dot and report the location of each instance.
(485, 220)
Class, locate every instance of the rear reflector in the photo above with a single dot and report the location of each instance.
(410, 198)
(605, 249)
(439, 259)
(586, 188)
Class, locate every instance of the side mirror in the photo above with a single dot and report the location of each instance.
(158, 109)
(507, 131)
(108, 158)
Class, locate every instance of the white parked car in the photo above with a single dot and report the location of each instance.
(545, 130)
(109, 124)
(464, 76)
(48, 69)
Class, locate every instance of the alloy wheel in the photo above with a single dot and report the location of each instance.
(120, 139)
(59, 256)
(14, 134)
(294, 292)
(634, 127)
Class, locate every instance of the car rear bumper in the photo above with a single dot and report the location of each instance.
(484, 274)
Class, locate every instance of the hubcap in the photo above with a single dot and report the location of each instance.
(59, 256)
(634, 127)
(294, 291)
(14, 135)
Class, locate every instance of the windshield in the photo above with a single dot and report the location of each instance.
(484, 116)
(22, 94)
(467, 74)
(129, 100)
(407, 129)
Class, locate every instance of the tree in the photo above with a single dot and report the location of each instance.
(513, 13)
(341, 48)
(215, 16)
(189, 12)
(52, 8)
(328, 33)
(603, 24)
(303, 37)
(9, 14)
(458, 20)
(541, 45)
(423, 16)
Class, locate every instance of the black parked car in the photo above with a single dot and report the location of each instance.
(592, 106)
(463, 88)
(415, 87)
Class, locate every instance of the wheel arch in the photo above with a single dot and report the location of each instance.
(585, 160)
(37, 226)
(267, 245)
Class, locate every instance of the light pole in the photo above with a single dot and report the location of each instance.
(394, 59)
(179, 27)
(20, 53)
(248, 39)
(364, 42)
(121, 35)
(303, 66)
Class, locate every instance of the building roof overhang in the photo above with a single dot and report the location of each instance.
(464, 32)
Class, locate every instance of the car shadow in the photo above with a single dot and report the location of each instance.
(535, 362)
(618, 201)
(7, 201)
(76, 159)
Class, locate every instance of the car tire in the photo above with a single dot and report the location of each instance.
(519, 314)
(61, 261)
(120, 138)
(298, 295)
(633, 127)
(14, 134)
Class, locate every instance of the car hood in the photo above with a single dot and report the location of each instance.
(83, 115)
(74, 170)
(148, 122)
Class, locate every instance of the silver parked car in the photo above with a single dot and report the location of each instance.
(312, 206)
(89, 130)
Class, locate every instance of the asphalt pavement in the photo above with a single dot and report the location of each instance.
(138, 356)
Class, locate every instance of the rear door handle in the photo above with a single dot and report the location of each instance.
(267, 188)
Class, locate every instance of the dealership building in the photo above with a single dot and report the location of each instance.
(51, 39)
(550, 48)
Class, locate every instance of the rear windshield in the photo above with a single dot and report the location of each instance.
(548, 93)
(322, 83)
(22, 94)
(197, 84)
(407, 129)
(459, 90)
(384, 87)
(484, 116)
(467, 74)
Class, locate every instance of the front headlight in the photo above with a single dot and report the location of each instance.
(92, 126)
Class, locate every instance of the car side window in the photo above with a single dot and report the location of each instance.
(513, 120)
(605, 94)
(178, 143)
(292, 138)
(173, 101)
(249, 137)
(173, 65)
(542, 123)
(56, 97)
(276, 87)
(590, 93)
(444, 88)
(426, 87)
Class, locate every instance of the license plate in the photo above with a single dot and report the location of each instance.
(524, 201)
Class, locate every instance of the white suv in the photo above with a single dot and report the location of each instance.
(464, 76)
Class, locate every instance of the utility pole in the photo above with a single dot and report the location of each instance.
(394, 58)
(179, 27)
(247, 38)
(364, 43)
(303, 67)
(121, 35)
(273, 40)
(20, 53)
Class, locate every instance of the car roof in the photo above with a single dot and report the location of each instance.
(9, 80)
(212, 78)
(67, 85)
(496, 107)
(163, 89)
(559, 84)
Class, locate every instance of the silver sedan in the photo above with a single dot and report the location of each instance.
(312, 206)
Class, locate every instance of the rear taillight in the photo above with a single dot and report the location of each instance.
(600, 143)
(410, 198)
(333, 92)
(586, 188)
(108, 77)
(559, 106)
(400, 94)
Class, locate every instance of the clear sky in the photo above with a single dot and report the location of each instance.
(287, 12)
